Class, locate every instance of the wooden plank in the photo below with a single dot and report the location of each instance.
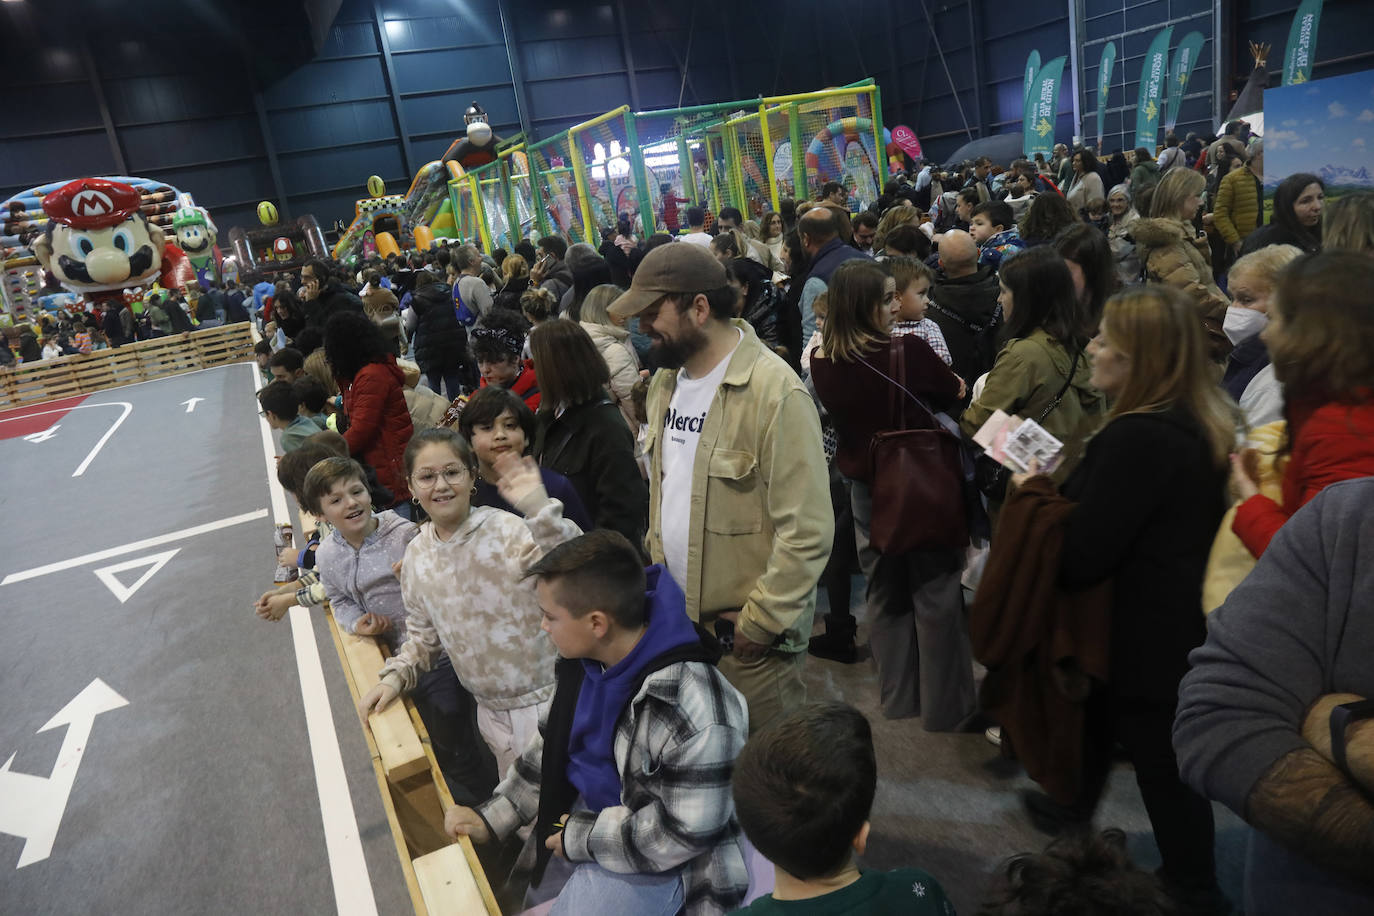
(445, 799)
(401, 752)
(383, 788)
(447, 884)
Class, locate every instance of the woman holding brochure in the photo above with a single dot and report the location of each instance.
(1146, 502)
(1043, 360)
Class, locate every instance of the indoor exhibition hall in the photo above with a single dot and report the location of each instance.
(494, 457)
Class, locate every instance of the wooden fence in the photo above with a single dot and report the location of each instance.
(68, 376)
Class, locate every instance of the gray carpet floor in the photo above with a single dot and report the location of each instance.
(948, 803)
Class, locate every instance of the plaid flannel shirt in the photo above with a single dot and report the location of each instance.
(928, 331)
(675, 747)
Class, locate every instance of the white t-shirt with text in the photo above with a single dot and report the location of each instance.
(682, 426)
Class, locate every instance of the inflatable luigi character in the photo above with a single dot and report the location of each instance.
(98, 242)
(479, 146)
(196, 235)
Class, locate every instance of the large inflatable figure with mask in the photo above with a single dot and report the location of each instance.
(479, 146)
(196, 235)
(98, 242)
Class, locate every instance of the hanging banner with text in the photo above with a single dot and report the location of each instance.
(1044, 109)
(1302, 43)
(1154, 73)
(1104, 84)
(1185, 58)
(1032, 68)
(906, 138)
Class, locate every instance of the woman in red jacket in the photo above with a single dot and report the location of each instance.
(1321, 342)
(373, 400)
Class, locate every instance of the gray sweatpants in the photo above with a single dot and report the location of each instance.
(917, 630)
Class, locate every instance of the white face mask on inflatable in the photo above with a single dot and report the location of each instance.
(1242, 324)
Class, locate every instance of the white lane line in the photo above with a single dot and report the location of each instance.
(81, 468)
(157, 541)
(353, 894)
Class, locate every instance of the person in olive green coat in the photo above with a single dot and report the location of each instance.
(1239, 200)
(1044, 331)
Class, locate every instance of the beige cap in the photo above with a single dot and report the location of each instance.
(673, 268)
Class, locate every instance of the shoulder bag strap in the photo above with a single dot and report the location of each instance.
(894, 361)
(1064, 389)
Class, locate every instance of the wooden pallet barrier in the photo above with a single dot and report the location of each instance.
(69, 376)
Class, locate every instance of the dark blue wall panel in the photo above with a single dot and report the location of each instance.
(387, 90)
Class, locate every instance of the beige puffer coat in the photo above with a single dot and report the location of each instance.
(1174, 256)
(621, 359)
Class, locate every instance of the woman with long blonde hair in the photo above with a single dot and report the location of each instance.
(1149, 496)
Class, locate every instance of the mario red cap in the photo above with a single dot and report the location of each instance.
(92, 203)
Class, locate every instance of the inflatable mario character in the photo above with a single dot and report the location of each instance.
(479, 146)
(196, 235)
(97, 241)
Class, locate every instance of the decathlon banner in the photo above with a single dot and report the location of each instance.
(1154, 73)
(1032, 68)
(1185, 58)
(1043, 108)
(1104, 83)
(1302, 43)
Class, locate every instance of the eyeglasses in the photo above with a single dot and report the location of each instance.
(454, 475)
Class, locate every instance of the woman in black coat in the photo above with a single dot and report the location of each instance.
(581, 434)
(1150, 494)
(1297, 218)
(441, 343)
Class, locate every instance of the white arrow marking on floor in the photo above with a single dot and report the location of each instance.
(45, 435)
(191, 403)
(31, 807)
(124, 592)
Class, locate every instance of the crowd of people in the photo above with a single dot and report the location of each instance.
(587, 496)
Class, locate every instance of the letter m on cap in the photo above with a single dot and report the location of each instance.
(92, 203)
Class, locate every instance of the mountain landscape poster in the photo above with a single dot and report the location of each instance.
(1325, 127)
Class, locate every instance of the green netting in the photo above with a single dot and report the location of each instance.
(673, 147)
(494, 206)
(837, 133)
(612, 182)
(553, 165)
(522, 193)
(465, 216)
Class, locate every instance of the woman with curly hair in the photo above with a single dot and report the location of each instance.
(498, 341)
(374, 403)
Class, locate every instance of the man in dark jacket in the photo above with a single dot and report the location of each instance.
(964, 305)
(820, 236)
(439, 341)
(324, 296)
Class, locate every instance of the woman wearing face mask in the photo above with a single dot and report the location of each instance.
(1252, 280)
(1297, 218)
(1321, 340)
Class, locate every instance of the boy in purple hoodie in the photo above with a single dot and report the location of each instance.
(354, 562)
(628, 782)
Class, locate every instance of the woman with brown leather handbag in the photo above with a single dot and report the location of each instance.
(906, 484)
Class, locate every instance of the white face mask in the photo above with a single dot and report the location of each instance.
(1241, 323)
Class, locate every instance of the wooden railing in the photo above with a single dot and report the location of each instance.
(69, 376)
(442, 875)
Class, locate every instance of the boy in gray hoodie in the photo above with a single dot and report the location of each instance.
(354, 562)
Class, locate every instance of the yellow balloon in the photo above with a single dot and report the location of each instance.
(375, 186)
(267, 213)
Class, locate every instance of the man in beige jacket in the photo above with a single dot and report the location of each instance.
(739, 499)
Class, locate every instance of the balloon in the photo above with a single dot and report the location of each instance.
(267, 213)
